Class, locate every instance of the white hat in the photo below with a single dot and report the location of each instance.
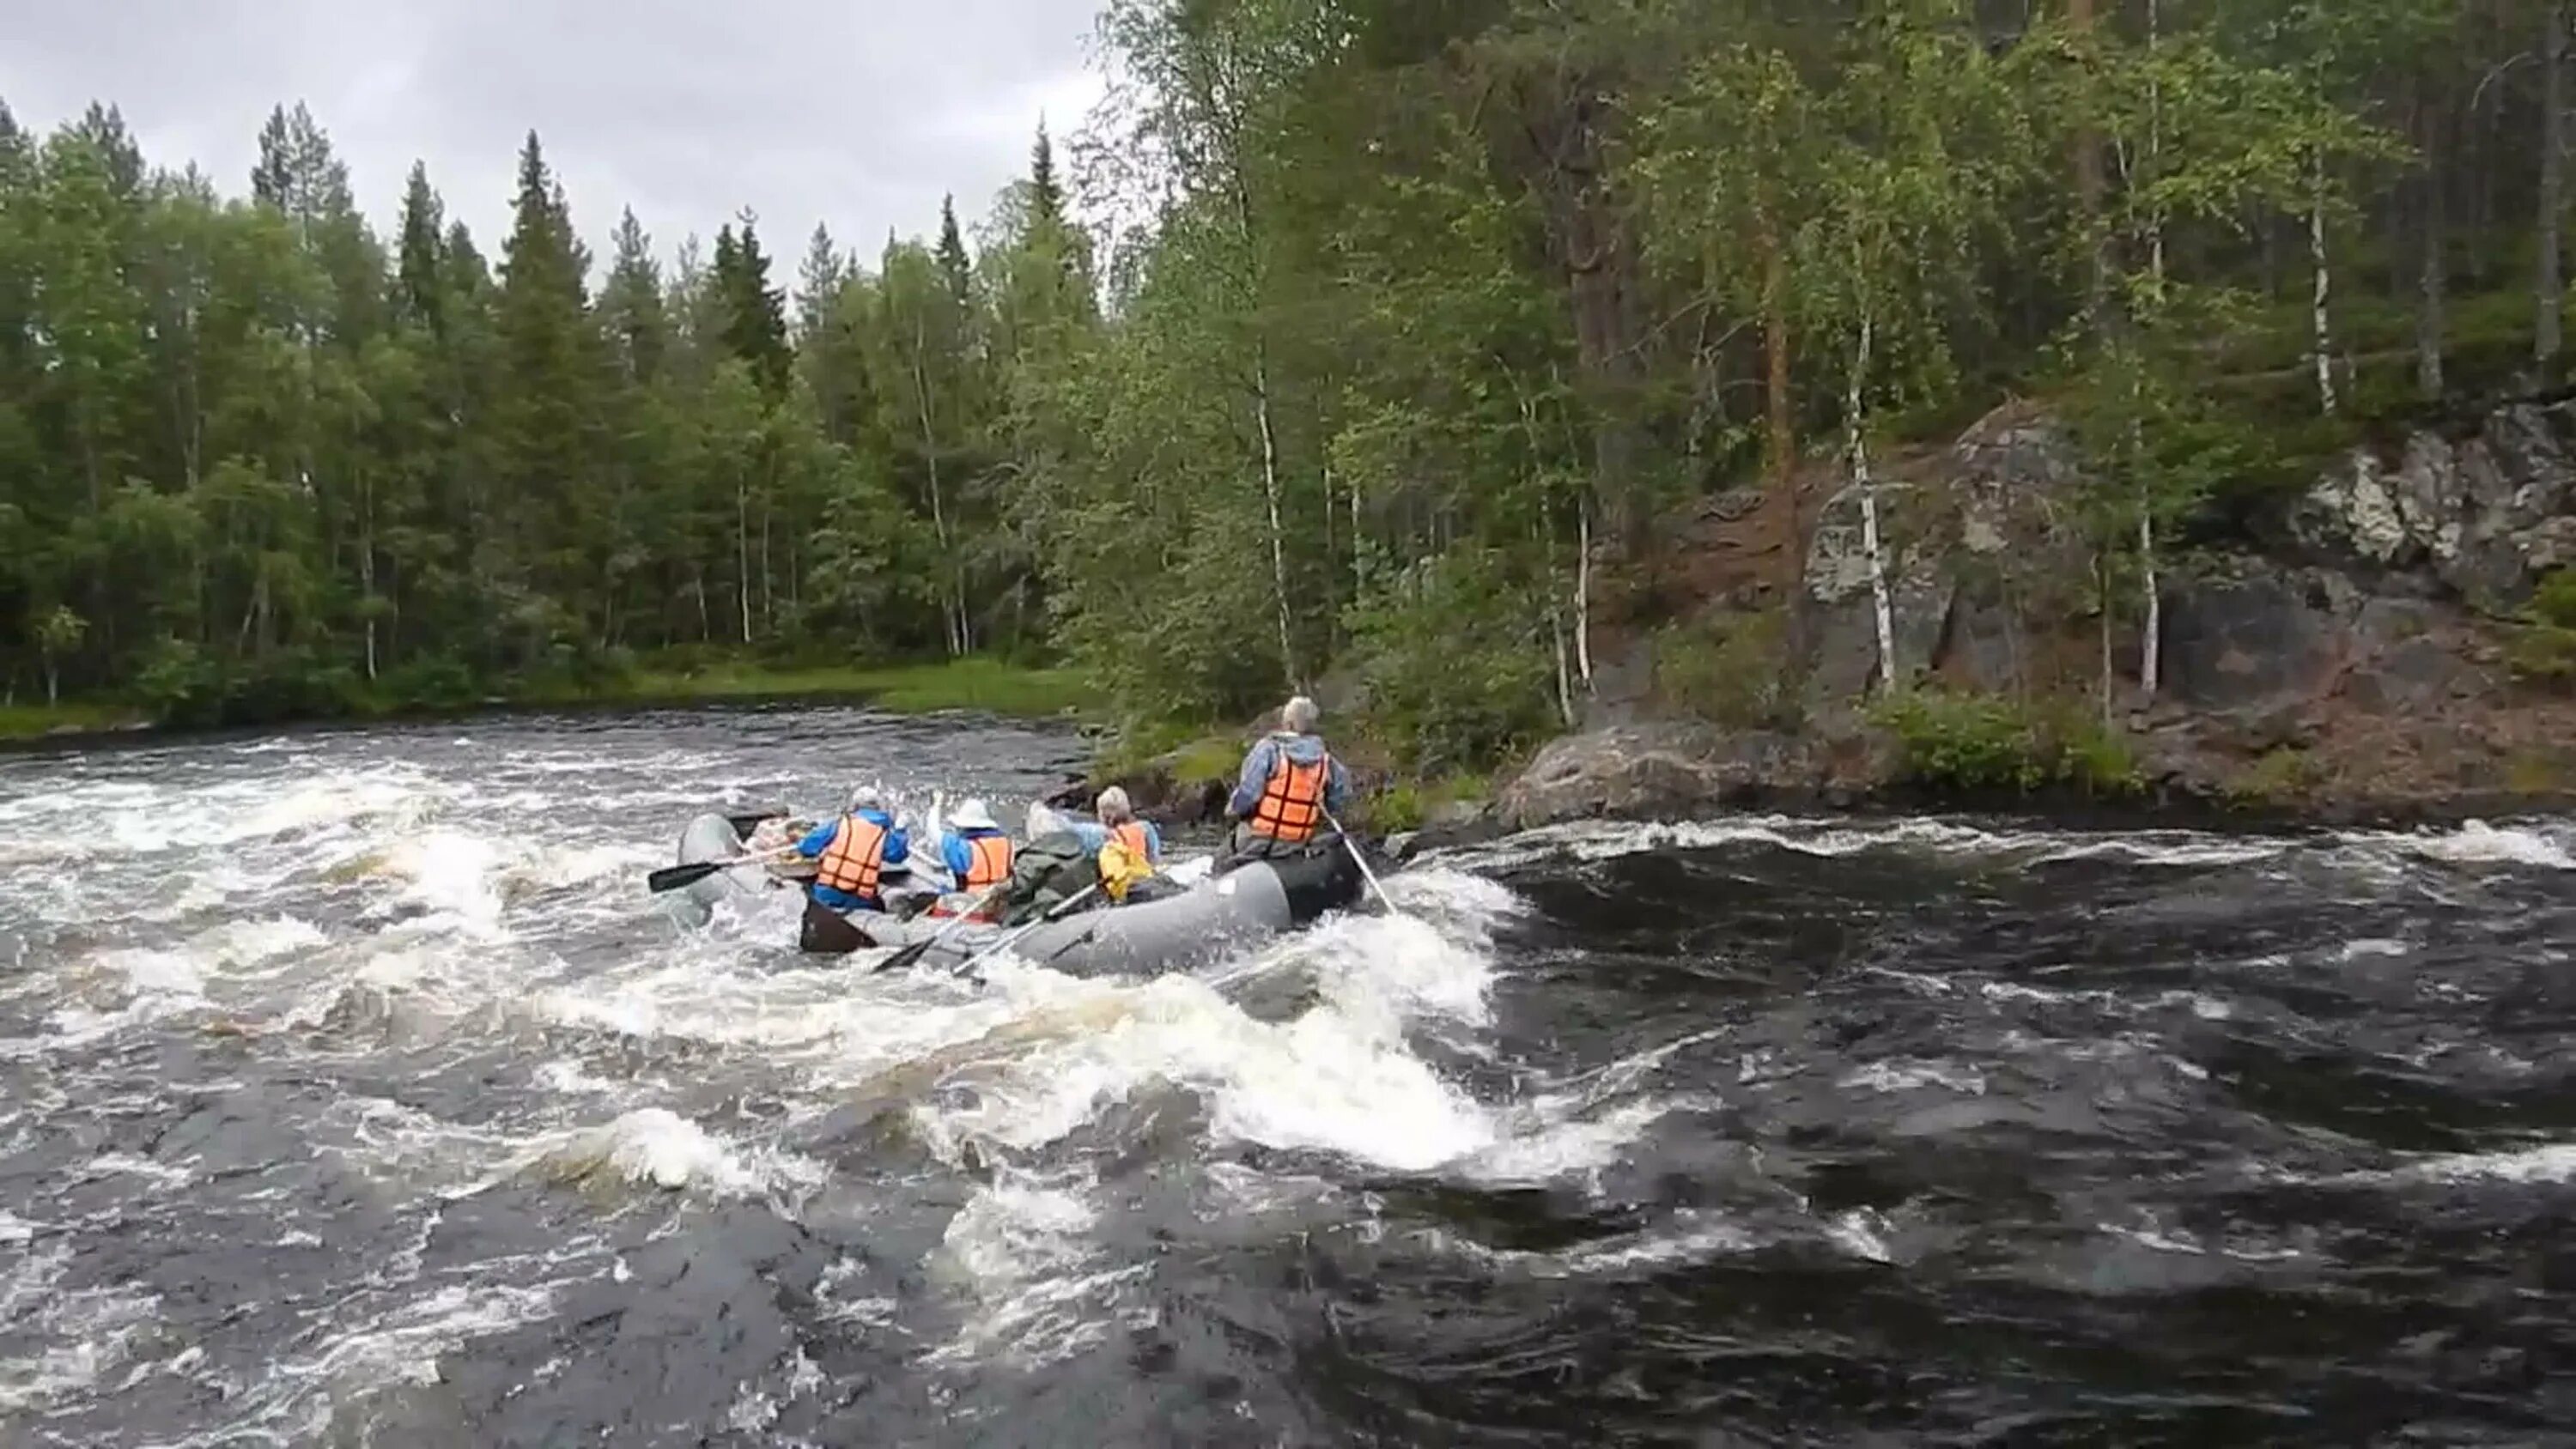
(972, 816)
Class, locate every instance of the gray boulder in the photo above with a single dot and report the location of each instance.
(1647, 770)
(2487, 515)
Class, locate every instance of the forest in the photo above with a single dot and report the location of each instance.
(1421, 315)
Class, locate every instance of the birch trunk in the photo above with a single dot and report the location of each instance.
(367, 565)
(2319, 316)
(1270, 496)
(742, 551)
(2553, 188)
(2155, 145)
(2151, 642)
(1856, 423)
(952, 600)
(1583, 593)
(2431, 321)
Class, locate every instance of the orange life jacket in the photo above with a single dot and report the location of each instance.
(854, 860)
(1291, 807)
(1132, 836)
(989, 866)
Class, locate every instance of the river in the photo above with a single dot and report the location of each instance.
(352, 1093)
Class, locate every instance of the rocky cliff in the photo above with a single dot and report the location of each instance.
(2348, 658)
(2345, 655)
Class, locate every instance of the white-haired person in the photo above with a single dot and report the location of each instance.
(1289, 784)
(1128, 851)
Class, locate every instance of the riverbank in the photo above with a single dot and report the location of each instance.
(988, 686)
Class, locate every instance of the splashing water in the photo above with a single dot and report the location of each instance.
(351, 1091)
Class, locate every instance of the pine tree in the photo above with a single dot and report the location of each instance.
(418, 281)
(272, 179)
(954, 264)
(545, 406)
(1046, 194)
(756, 321)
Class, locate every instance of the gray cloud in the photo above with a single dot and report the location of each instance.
(859, 114)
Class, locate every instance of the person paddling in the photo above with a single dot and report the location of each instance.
(854, 853)
(977, 851)
(1289, 784)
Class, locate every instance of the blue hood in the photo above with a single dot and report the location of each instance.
(1304, 749)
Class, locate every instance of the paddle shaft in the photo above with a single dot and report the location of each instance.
(1361, 861)
(1062, 909)
(918, 949)
(675, 877)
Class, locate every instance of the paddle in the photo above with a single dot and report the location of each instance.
(915, 951)
(676, 877)
(1361, 861)
(1062, 909)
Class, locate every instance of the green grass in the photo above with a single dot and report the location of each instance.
(989, 685)
(1191, 750)
(35, 721)
(1405, 805)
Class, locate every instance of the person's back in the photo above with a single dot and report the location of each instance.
(976, 850)
(853, 854)
(1289, 785)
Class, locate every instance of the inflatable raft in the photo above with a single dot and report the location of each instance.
(1220, 916)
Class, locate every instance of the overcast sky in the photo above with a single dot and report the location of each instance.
(856, 113)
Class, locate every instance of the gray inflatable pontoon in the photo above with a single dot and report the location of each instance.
(1221, 916)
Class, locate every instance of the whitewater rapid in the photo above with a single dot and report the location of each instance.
(355, 1087)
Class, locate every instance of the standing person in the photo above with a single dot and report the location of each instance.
(1289, 782)
(977, 851)
(855, 852)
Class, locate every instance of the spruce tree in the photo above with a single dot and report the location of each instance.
(418, 283)
(1046, 193)
(954, 264)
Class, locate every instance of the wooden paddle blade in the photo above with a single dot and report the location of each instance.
(677, 877)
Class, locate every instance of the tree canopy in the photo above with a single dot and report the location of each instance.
(1420, 316)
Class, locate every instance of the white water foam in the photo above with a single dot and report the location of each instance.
(2478, 843)
(1831, 838)
(656, 1147)
(2554, 1163)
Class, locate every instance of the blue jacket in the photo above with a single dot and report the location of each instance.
(897, 849)
(1094, 836)
(958, 856)
(1305, 750)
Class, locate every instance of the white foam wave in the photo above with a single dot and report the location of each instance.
(1831, 838)
(1692, 1237)
(2478, 843)
(2554, 1163)
(1022, 1252)
(656, 1147)
(1907, 1076)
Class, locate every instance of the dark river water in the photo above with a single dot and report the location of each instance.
(353, 1093)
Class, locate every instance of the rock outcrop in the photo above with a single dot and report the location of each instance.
(2485, 516)
(1670, 769)
(2359, 661)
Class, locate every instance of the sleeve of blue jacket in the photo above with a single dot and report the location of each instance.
(813, 845)
(1094, 837)
(1337, 788)
(898, 845)
(956, 854)
(1154, 842)
(1256, 774)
